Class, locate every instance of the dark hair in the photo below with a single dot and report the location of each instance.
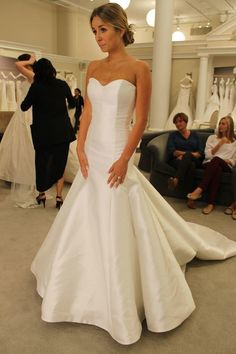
(24, 57)
(182, 116)
(44, 71)
(77, 89)
(115, 15)
(230, 132)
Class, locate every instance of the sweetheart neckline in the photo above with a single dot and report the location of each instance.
(104, 85)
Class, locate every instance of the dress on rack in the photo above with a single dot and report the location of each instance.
(212, 107)
(224, 99)
(115, 256)
(17, 163)
(3, 96)
(11, 95)
(182, 105)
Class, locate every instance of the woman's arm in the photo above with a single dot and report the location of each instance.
(85, 120)
(143, 95)
(70, 98)
(210, 144)
(22, 67)
(221, 142)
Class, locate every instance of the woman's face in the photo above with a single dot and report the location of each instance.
(223, 126)
(106, 36)
(180, 124)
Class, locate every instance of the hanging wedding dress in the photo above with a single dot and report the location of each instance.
(212, 107)
(17, 163)
(183, 103)
(113, 256)
(224, 90)
(11, 95)
(3, 96)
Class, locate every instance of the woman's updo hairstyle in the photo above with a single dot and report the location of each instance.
(25, 57)
(113, 14)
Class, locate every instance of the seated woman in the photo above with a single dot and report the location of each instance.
(231, 210)
(185, 153)
(220, 156)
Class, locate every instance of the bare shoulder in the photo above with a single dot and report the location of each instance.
(141, 68)
(93, 66)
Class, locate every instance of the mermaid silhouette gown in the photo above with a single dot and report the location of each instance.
(115, 256)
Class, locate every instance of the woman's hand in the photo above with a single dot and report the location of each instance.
(117, 172)
(32, 59)
(224, 140)
(196, 154)
(83, 161)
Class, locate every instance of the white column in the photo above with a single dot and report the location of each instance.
(202, 87)
(161, 64)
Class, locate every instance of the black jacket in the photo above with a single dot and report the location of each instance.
(51, 122)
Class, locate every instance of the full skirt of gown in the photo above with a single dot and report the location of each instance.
(17, 157)
(115, 256)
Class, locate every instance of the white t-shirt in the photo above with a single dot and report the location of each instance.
(225, 152)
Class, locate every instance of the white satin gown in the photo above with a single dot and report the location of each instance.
(17, 157)
(113, 257)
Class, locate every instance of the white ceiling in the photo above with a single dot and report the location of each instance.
(186, 11)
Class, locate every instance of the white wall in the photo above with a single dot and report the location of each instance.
(30, 22)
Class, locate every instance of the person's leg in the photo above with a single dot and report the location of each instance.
(76, 126)
(231, 209)
(59, 187)
(212, 175)
(234, 185)
(218, 167)
(182, 166)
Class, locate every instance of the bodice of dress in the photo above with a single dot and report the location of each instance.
(184, 93)
(112, 108)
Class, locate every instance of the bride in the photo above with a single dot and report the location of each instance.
(116, 251)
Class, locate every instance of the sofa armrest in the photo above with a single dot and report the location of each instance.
(157, 148)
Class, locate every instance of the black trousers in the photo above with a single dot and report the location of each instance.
(77, 121)
(50, 163)
(185, 170)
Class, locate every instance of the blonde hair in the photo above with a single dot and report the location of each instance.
(230, 131)
(114, 14)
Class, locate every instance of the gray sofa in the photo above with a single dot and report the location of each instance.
(161, 171)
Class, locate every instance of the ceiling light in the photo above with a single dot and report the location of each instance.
(178, 35)
(123, 3)
(150, 18)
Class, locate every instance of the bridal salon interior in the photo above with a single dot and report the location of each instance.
(190, 48)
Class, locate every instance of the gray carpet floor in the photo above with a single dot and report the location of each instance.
(211, 329)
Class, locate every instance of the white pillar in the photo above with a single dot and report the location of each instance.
(202, 87)
(161, 64)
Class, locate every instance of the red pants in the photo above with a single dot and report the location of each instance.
(212, 177)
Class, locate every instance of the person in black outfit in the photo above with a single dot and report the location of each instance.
(79, 105)
(185, 153)
(51, 129)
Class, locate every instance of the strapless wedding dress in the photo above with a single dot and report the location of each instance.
(114, 257)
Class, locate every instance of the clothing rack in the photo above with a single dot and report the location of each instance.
(10, 75)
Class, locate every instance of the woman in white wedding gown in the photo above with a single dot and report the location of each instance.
(116, 251)
(16, 147)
